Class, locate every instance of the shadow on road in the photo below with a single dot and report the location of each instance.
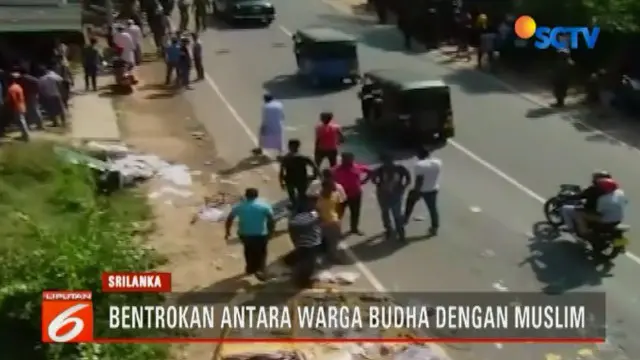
(246, 164)
(376, 247)
(367, 146)
(561, 264)
(291, 86)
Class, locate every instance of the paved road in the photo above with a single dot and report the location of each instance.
(488, 238)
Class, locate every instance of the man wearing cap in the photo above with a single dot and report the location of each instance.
(17, 105)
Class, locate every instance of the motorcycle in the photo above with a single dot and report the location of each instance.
(604, 244)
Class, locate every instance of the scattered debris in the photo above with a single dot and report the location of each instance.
(585, 353)
(499, 346)
(552, 356)
(341, 278)
(475, 209)
(416, 352)
(111, 149)
(488, 253)
(228, 182)
(498, 285)
(199, 135)
(215, 208)
(167, 190)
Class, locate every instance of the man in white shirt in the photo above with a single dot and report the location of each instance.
(123, 40)
(426, 185)
(611, 204)
(136, 34)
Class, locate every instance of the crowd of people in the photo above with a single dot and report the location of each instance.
(320, 197)
(33, 93)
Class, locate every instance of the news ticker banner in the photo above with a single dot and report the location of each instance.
(69, 316)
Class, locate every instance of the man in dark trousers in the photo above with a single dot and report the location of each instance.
(294, 173)
(366, 98)
(184, 7)
(90, 64)
(200, 12)
(29, 84)
(426, 187)
(391, 181)
(255, 227)
(562, 76)
(306, 235)
(196, 50)
(351, 176)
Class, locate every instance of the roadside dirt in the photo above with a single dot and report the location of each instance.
(157, 120)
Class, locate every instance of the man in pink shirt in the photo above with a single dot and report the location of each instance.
(351, 176)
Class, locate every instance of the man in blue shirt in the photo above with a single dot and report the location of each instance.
(255, 226)
(172, 56)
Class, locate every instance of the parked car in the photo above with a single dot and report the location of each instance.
(234, 11)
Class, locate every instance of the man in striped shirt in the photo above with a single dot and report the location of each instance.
(306, 234)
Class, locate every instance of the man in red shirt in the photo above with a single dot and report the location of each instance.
(351, 176)
(17, 105)
(328, 139)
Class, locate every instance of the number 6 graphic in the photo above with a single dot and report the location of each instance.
(63, 319)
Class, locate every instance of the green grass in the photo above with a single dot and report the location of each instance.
(56, 232)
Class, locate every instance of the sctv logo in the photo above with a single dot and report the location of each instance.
(559, 37)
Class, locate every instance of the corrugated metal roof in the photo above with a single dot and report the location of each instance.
(38, 2)
(34, 18)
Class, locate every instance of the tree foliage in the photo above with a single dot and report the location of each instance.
(610, 15)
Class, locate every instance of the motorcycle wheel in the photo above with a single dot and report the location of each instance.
(552, 212)
(611, 252)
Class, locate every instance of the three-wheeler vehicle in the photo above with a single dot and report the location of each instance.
(326, 56)
(408, 105)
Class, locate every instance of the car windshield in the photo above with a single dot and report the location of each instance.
(330, 50)
(420, 99)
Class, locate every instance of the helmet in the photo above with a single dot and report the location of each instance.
(607, 185)
(600, 174)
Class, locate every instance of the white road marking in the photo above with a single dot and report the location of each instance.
(531, 98)
(501, 173)
(633, 257)
(367, 273)
(359, 265)
(364, 270)
(499, 286)
(285, 30)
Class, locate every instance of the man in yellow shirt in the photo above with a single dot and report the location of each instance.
(327, 204)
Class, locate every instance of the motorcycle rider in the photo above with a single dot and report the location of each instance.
(610, 205)
(582, 214)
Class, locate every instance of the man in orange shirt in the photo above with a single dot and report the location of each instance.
(17, 105)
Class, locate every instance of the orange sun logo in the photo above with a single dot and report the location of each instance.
(525, 27)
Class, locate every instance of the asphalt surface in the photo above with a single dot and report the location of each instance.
(491, 236)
